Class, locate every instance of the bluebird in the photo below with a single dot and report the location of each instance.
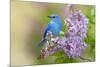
(54, 26)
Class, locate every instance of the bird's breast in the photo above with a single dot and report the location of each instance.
(55, 29)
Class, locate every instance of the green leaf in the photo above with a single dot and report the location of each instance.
(65, 59)
(58, 53)
(61, 33)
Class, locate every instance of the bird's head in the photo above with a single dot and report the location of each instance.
(54, 17)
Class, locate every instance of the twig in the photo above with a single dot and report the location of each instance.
(84, 59)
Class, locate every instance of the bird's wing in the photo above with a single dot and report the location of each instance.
(46, 30)
(53, 27)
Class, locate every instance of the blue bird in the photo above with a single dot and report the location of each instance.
(54, 26)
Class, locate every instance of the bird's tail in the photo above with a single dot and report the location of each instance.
(42, 42)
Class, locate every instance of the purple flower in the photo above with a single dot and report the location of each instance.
(77, 23)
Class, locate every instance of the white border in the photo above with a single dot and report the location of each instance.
(4, 33)
(89, 2)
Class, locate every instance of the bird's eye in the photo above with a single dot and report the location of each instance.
(53, 17)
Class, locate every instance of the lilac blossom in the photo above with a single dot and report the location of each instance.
(77, 24)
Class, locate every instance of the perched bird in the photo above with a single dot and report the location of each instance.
(54, 27)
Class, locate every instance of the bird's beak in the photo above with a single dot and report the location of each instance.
(49, 16)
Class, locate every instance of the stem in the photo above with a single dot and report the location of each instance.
(84, 59)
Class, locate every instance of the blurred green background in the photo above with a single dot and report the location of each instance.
(28, 20)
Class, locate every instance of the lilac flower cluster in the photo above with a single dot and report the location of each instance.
(72, 43)
(77, 24)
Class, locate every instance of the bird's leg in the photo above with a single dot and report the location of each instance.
(49, 43)
(49, 37)
(46, 45)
